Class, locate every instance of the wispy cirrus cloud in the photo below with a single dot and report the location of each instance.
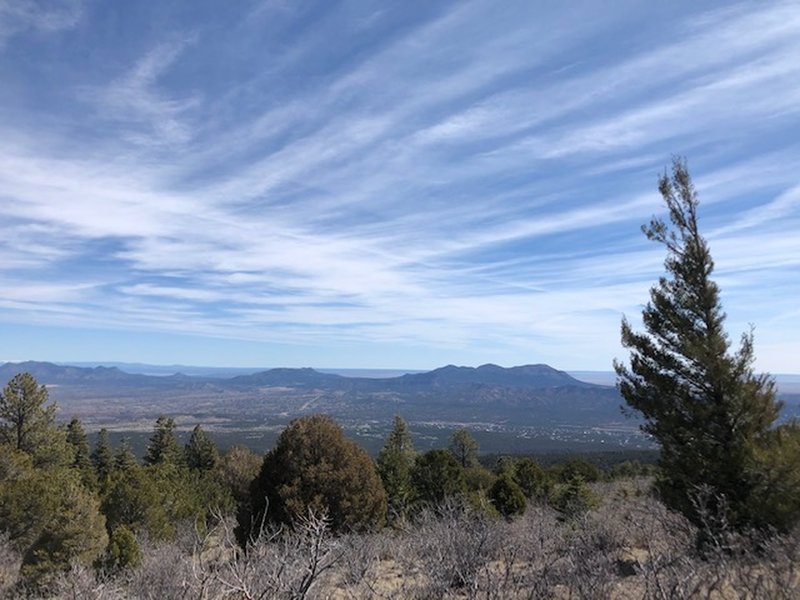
(465, 182)
(24, 16)
(151, 116)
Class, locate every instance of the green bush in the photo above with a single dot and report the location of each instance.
(507, 497)
(573, 499)
(437, 475)
(123, 550)
(315, 468)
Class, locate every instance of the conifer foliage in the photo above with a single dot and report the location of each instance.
(164, 448)
(314, 467)
(395, 461)
(201, 452)
(703, 403)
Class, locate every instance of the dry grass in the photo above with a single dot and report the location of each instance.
(630, 547)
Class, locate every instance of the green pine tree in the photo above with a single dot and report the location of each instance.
(103, 456)
(533, 480)
(52, 520)
(123, 550)
(573, 499)
(201, 452)
(124, 458)
(27, 422)
(77, 438)
(164, 447)
(464, 447)
(437, 475)
(82, 461)
(395, 461)
(703, 404)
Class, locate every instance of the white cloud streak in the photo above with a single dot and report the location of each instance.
(433, 193)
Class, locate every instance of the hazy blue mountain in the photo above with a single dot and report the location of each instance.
(534, 376)
(304, 377)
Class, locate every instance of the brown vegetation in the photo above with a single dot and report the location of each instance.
(628, 547)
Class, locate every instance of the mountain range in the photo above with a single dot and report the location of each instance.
(530, 394)
(530, 406)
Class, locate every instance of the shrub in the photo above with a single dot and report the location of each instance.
(314, 468)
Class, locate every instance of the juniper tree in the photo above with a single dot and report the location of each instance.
(701, 402)
(437, 475)
(51, 519)
(507, 496)
(314, 467)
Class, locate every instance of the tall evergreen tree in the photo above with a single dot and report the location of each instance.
(395, 461)
(164, 447)
(79, 441)
(103, 456)
(124, 458)
(201, 452)
(704, 405)
(25, 416)
(82, 461)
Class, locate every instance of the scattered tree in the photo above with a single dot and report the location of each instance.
(52, 520)
(79, 443)
(134, 499)
(236, 471)
(464, 447)
(77, 438)
(123, 550)
(573, 498)
(533, 480)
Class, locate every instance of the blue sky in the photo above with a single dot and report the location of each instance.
(375, 184)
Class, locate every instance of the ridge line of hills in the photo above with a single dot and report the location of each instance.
(516, 408)
(532, 376)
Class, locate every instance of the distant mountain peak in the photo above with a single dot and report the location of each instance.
(536, 376)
